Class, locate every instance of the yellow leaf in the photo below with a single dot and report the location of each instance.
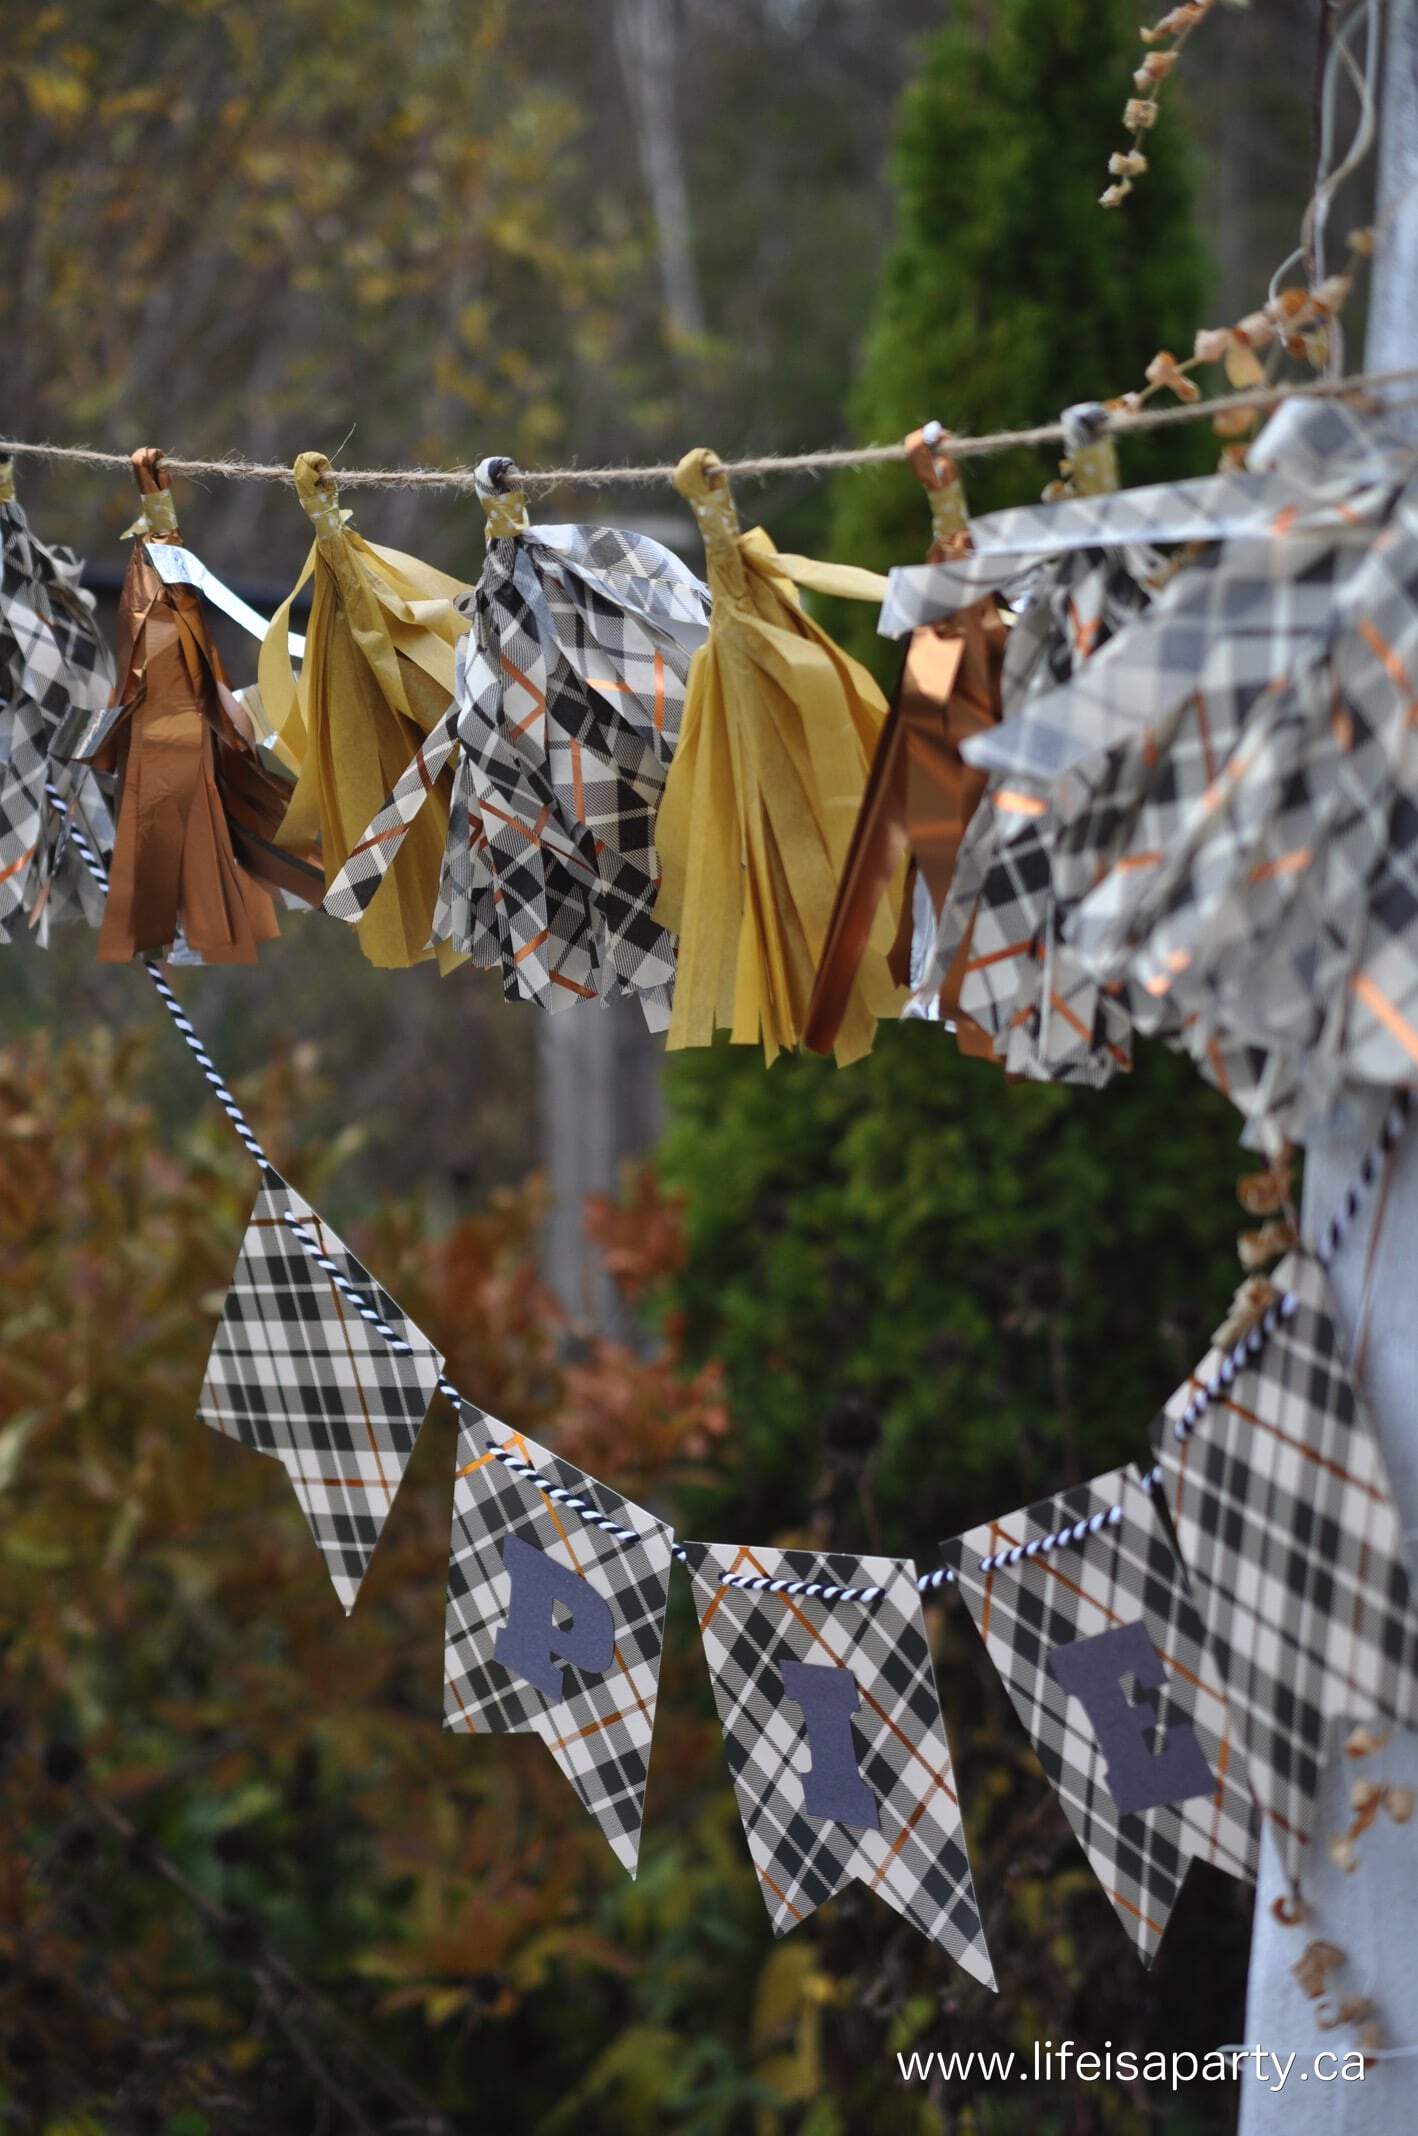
(1243, 366)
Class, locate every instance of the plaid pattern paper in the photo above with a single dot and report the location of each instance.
(1312, 462)
(1259, 899)
(599, 1731)
(1293, 1550)
(1021, 982)
(1125, 1573)
(295, 1371)
(916, 1861)
(567, 707)
(52, 664)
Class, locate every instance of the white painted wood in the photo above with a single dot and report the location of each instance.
(1373, 1914)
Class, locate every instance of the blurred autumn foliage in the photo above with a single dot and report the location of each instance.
(247, 1885)
(207, 1776)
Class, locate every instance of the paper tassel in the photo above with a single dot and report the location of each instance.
(197, 812)
(298, 1371)
(1237, 839)
(999, 927)
(835, 1742)
(1277, 1490)
(556, 1622)
(1151, 1780)
(779, 730)
(569, 696)
(376, 679)
(53, 664)
(920, 795)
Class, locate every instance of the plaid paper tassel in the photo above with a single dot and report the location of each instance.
(567, 709)
(1259, 901)
(298, 1372)
(1311, 460)
(1021, 980)
(52, 662)
(1277, 1491)
(916, 1858)
(1222, 621)
(1124, 1572)
(599, 1728)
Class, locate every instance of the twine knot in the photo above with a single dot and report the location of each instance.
(501, 497)
(158, 520)
(319, 493)
(931, 463)
(1090, 465)
(702, 482)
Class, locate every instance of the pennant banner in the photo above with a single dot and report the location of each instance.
(556, 1622)
(1277, 1489)
(297, 1371)
(835, 1741)
(1084, 1598)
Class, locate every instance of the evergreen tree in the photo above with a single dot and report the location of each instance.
(1009, 292)
(969, 1290)
(938, 1295)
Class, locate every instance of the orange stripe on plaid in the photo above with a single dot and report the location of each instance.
(539, 703)
(380, 838)
(1392, 666)
(1137, 1913)
(999, 956)
(1293, 863)
(781, 1896)
(16, 865)
(1379, 1005)
(1075, 1023)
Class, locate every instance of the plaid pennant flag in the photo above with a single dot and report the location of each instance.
(556, 1618)
(53, 665)
(297, 1370)
(1083, 1595)
(835, 1741)
(1277, 1491)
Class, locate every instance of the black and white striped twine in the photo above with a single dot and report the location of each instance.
(1236, 1359)
(574, 1504)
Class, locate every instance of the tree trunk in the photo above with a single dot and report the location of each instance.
(645, 42)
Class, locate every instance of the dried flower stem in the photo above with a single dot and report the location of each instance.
(1140, 111)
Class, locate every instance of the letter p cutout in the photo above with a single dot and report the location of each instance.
(531, 1642)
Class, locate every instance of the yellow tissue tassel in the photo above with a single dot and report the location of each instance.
(779, 730)
(377, 675)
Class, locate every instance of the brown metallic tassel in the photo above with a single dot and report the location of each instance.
(920, 794)
(197, 811)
